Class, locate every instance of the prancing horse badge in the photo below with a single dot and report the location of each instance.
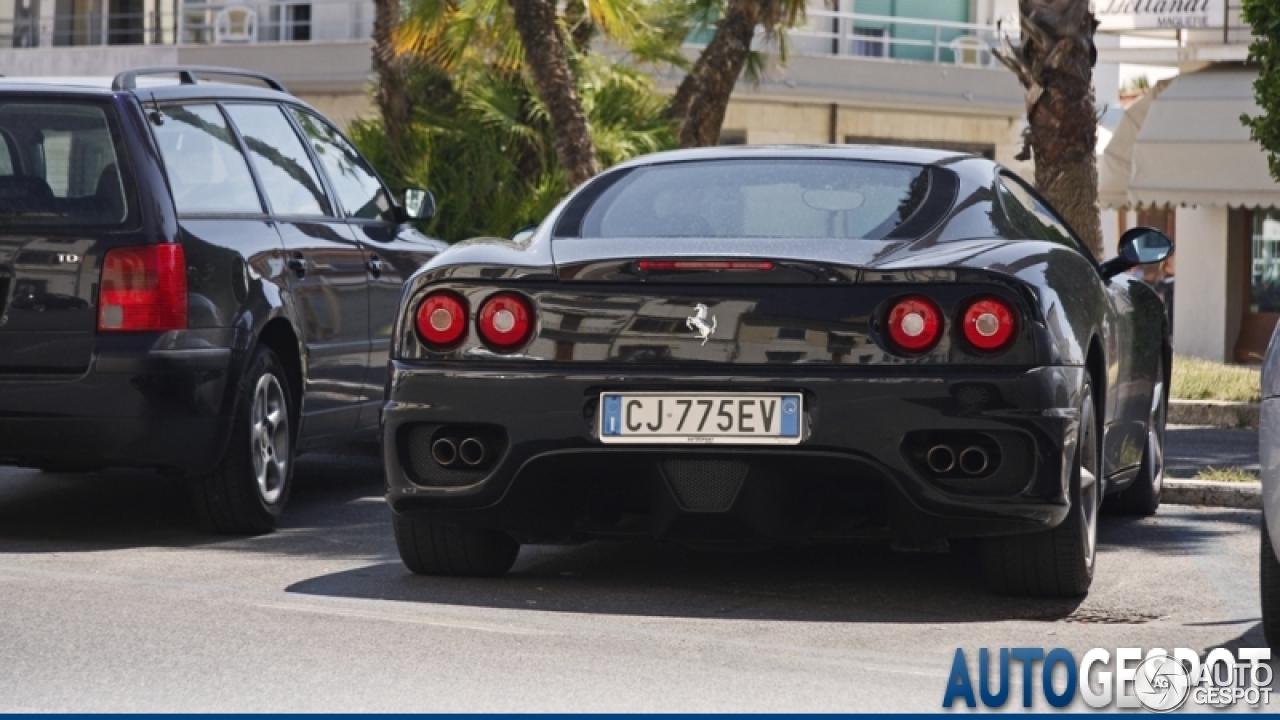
(698, 323)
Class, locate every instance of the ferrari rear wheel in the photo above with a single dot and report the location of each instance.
(1270, 590)
(433, 549)
(1057, 562)
(1143, 496)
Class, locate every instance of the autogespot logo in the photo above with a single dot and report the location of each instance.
(1158, 680)
(1162, 684)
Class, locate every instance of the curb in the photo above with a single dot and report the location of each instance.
(1242, 496)
(1214, 413)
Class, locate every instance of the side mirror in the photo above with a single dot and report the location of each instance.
(523, 234)
(1138, 246)
(419, 204)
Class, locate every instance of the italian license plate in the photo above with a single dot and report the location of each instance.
(697, 418)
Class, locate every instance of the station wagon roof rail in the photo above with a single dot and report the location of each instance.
(128, 79)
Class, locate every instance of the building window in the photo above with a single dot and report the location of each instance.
(1264, 273)
(873, 45)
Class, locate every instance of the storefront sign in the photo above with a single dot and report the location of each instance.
(1159, 14)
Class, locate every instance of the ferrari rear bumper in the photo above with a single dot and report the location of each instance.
(861, 470)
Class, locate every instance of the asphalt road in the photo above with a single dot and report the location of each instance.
(110, 600)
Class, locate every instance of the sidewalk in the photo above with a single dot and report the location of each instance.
(1190, 449)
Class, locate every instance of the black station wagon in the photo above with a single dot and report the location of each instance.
(195, 276)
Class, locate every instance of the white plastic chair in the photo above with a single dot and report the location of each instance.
(235, 24)
(970, 50)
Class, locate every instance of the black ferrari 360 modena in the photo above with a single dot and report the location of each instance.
(790, 345)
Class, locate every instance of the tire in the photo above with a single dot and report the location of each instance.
(1142, 498)
(445, 550)
(1057, 562)
(246, 492)
(1270, 577)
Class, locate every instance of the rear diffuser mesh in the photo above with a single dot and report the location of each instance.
(705, 485)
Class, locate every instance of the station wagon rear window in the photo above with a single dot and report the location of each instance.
(760, 198)
(59, 166)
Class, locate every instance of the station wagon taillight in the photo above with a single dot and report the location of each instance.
(506, 321)
(442, 319)
(989, 324)
(143, 289)
(915, 324)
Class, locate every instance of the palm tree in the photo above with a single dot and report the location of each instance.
(578, 20)
(1054, 62)
(528, 34)
(547, 59)
(699, 103)
(392, 92)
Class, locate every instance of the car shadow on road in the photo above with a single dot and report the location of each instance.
(859, 583)
(1172, 532)
(336, 508)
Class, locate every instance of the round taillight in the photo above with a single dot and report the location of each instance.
(915, 324)
(506, 321)
(989, 324)
(442, 319)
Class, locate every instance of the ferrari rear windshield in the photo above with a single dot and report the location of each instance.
(760, 198)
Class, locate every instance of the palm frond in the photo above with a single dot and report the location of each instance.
(621, 20)
(756, 66)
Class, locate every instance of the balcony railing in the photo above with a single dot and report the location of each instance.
(827, 32)
(199, 23)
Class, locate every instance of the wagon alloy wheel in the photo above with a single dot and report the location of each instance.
(269, 438)
(1142, 497)
(247, 490)
(1057, 562)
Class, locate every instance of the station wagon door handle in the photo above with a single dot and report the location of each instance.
(375, 266)
(298, 264)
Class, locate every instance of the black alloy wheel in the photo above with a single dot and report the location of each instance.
(1057, 562)
(246, 492)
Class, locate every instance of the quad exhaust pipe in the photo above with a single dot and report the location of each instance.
(444, 451)
(448, 452)
(471, 451)
(941, 459)
(973, 460)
